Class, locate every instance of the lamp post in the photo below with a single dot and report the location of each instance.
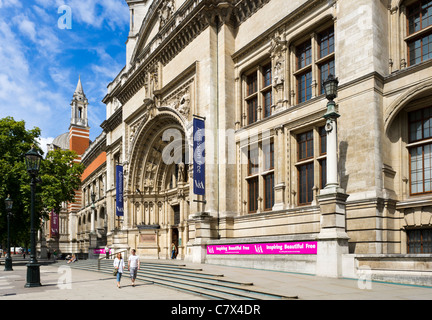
(8, 260)
(330, 88)
(33, 160)
(93, 208)
(332, 238)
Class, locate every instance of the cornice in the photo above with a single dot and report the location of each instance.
(186, 24)
(98, 146)
(114, 121)
(267, 35)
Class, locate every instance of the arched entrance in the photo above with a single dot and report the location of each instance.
(158, 186)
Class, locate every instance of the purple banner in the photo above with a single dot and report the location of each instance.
(265, 248)
(54, 228)
(119, 191)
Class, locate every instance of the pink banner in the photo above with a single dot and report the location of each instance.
(265, 248)
(100, 251)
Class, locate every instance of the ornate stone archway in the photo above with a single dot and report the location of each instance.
(157, 183)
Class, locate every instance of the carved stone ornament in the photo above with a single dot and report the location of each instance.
(329, 125)
(166, 12)
(180, 102)
(184, 104)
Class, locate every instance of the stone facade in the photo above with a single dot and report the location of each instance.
(254, 69)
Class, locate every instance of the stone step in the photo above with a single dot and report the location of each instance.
(213, 286)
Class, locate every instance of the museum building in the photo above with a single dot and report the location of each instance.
(293, 181)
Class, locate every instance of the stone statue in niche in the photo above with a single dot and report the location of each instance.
(278, 46)
(278, 49)
(153, 84)
(181, 172)
(279, 68)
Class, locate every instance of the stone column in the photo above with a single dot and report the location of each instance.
(279, 188)
(92, 219)
(332, 239)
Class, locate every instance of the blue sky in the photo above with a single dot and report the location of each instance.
(40, 62)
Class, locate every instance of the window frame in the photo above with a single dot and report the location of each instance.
(416, 143)
(316, 160)
(261, 95)
(421, 241)
(308, 76)
(417, 35)
(260, 168)
(304, 52)
(253, 182)
(268, 167)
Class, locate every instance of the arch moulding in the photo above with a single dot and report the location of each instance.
(402, 101)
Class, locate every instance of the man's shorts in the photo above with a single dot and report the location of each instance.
(133, 273)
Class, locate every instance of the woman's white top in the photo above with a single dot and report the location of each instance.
(119, 263)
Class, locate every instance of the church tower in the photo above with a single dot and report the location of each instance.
(79, 131)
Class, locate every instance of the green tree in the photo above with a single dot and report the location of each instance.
(59, 177)
(15, 141)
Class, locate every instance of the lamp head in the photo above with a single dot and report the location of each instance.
(8, 203)
(33, 160)
(330, 87)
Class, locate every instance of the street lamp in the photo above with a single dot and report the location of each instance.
(93, 208)
(330, 87)
(8, 260)
(33, 160)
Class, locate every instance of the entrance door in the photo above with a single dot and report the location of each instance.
(175, 237)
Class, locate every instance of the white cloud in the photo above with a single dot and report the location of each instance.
(10, 3)
(39, 67)
(27, 27)
(43, 143)
(96, 12)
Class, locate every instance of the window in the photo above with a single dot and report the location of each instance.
(322, 160)
(419, 129)
(253, 163)
(304, 78)
(326, 49)
(311, 156)
(260, 176)
(258, 98)
(253, 169)
(268, 191)
(314, 62)
(419, 240)
(253, 194)
(268, 153)
(306, 183)
(306, 170)
(305, 143)
(419, 40)
(252, 99)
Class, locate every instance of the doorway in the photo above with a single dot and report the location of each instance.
(175, 240)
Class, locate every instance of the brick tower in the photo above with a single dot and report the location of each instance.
(79, 133)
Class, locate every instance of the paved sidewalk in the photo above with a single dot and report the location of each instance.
(62, 283)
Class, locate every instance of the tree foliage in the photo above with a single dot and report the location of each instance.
(58, 179)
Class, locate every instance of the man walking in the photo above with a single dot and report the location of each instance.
(133, 266)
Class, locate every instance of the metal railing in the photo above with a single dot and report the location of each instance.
(124, 253)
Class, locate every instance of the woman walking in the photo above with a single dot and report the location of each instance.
(119, 266)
